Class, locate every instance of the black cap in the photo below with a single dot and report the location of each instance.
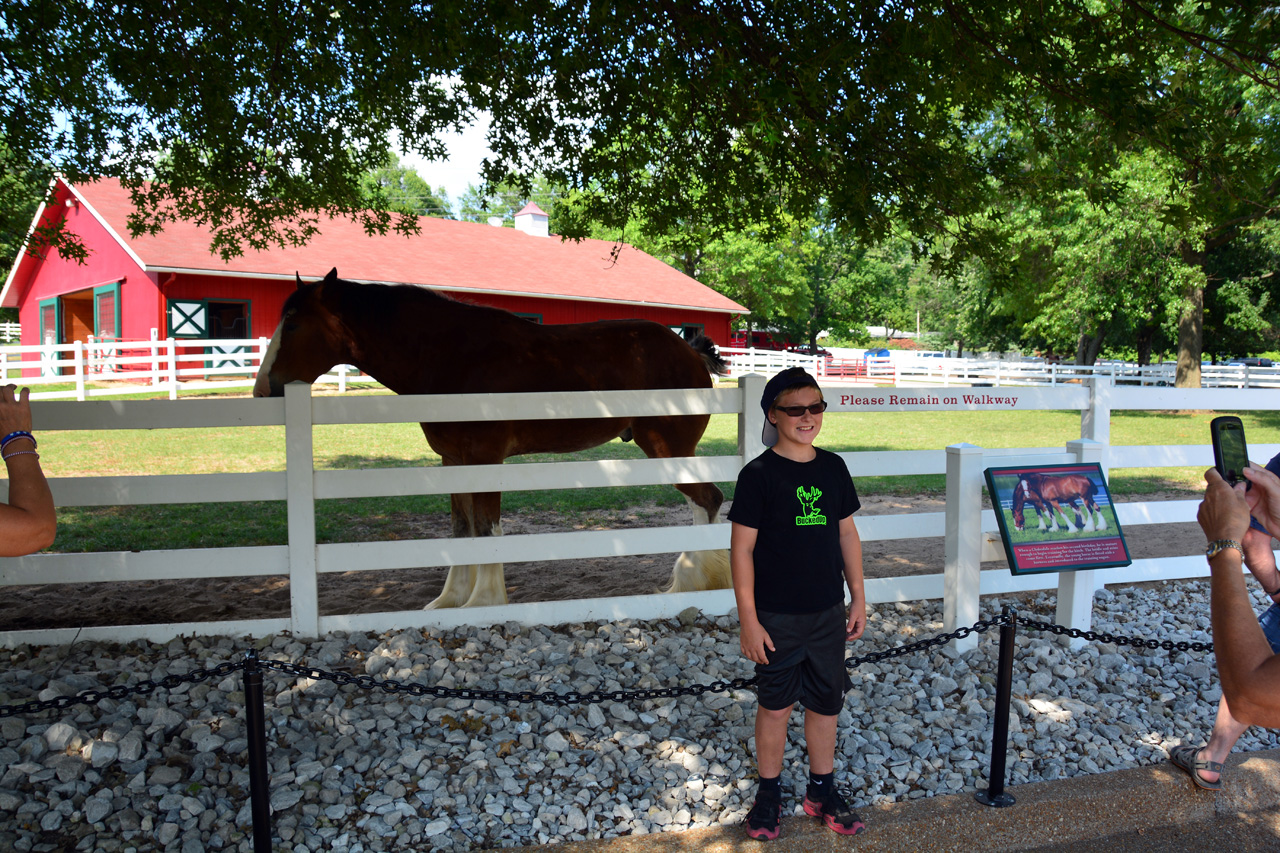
(792, 377)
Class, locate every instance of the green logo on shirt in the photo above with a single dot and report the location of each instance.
(808, 500)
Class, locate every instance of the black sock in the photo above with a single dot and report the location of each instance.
(821, 783)
(774, 784)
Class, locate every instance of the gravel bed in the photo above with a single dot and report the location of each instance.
(360, 770)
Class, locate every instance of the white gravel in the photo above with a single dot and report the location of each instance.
(356, 770)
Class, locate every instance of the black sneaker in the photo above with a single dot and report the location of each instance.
(765, 815)
(837, 814)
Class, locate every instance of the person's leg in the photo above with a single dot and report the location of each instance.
(820, 741)
(1226, 731)
(771, 740)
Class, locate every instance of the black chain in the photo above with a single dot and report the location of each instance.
(1096, 637)
(572, 697)
(122, 691)
(979, 627)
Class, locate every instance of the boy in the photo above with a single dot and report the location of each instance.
(792, 548)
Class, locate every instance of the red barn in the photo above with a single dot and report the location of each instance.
(171, 283)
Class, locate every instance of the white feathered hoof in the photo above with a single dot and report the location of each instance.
(696, 571)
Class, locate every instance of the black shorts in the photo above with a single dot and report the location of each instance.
(807, 664)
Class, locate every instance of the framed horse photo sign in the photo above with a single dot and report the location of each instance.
(1056, 518)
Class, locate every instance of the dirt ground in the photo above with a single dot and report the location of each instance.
(150, 602)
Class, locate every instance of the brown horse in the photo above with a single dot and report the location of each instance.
(416, 341)
(1048, 492)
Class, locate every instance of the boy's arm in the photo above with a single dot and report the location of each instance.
(754, 638)
(851, 551)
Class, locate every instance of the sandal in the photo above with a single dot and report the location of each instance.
(1186, 757)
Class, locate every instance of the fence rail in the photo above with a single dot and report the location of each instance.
(97, 368)
(969, 531)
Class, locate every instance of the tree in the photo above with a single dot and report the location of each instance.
(506, 200)
(405, 191)
(661, 112)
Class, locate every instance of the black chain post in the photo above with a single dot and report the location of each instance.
(259, 782)
(994, 795)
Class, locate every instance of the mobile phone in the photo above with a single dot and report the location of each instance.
(1230, 455)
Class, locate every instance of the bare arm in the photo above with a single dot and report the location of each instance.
(851, 551)
(754, 638)
(28, 521)
(1250, 673)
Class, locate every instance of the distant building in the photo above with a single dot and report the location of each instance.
(172, 285)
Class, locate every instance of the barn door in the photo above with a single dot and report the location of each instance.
(50, 334)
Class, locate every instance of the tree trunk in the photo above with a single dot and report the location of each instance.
(1144, 341)
(1088, 346)
(1191, 323)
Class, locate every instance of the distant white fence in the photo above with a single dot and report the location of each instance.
(864, 370)
(968, 371)
(98, 368)
(968, 530)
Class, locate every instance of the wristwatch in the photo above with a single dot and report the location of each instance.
(1219, 545)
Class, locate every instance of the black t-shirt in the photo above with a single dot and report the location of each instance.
(796, 509)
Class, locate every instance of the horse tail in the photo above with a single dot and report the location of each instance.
(706, 348)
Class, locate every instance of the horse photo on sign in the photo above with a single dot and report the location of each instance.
(1076, 526)
(416, 341)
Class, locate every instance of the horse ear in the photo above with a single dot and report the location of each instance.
(299, 278)
(332, 276)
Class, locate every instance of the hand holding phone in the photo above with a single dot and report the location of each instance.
(1230, 454)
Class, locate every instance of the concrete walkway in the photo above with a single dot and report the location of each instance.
(1143, 810)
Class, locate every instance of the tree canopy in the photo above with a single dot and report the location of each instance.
(254, 117)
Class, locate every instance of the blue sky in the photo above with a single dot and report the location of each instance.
(466, 150)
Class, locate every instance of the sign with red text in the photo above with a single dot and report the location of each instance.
(955, 399)
(1056, 518)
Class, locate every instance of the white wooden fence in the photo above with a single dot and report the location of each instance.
(999, 373)
(968, 530)
(93, 368)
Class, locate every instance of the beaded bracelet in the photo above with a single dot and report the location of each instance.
(15, 435)
(9, 456)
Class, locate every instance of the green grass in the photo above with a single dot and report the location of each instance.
(194, 451)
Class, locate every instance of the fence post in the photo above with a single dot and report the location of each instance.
(301, 509)
(171, 348)
(963, 551)
(155, 360)
(995, 795)
(255, 717)
(1076, 589)
(80, 368)
(751, 418)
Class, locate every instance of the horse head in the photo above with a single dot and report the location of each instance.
(308, 341)
(1019, 501)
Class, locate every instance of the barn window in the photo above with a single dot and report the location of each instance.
(49, 325)
(688, 331)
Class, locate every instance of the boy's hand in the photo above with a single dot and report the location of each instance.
(857, 620)
(755, 639)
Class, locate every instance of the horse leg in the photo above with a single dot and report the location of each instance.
(1075, 509)
(698, 570)
(490, 578)
(1094, 508)
(462, 579)
(1054, 511)
(474, 585)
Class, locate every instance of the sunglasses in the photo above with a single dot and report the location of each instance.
(798, 411)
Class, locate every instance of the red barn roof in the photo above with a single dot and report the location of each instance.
(445, 254)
